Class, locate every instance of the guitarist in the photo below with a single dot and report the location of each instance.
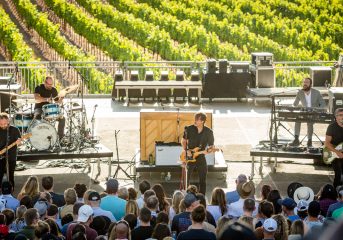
(334, 136)
(14, 136)
(198, 135)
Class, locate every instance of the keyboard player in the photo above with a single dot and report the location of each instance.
(308, 97)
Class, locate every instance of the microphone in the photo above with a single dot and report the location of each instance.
(96, 105)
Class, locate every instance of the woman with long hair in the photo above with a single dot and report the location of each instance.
(163, 204)
(218, 206)
(282, 227)
(30, 188)
(273, 197)
(327, 196)
(132, 207)
(174, 208)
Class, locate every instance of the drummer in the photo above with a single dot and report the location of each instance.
(45, 94)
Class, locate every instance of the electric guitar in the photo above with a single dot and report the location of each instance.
(26, 136)
(329, 156)
(195, 153)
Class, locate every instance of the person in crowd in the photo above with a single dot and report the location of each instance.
(143, 186)
(337, 205)
(132, 220)
(80, 189)
(7, 191)
(121, 230)
(327, 197)
(297, 230)
(123, 193)
(163, 204)
(302, 207)
(42, 229)
(192, 189)
(42, 208)
(233, 196)
(162, 217)
(144, 230)
(132, 207)
(132, 193)
(94, 201)
(152, 205)
(100, 225)
(265, 211)
(174, 208)
(85, 217)
(281, 232)
(19, 222)
(312, 219)
(70, 198)
(182, 207)
(245, 190)
(182, 221)
(112, 202)
(275, 198)
(265, 190)
(48, 186)
(249, 207)
(52, 213)
(269, 228)
(288, 206)
(236, 230)
(147, 194)
(222, 224)
(248, 220)
(31, 217)
(75, 213)
(308, 97)
(54, 229)
(218, 205)
(26, 201)
(161, 231)
(10, 216)
(4, 229)
(30, 188)
(209, 218)
(86, 196)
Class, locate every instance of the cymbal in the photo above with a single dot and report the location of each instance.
(68, 90)
(11, 94)
(24, 101)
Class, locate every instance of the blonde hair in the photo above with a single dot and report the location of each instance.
(177, 197)
(132, 207)
(70, 196)
(30, 187)
(182, 206)
(282, 227)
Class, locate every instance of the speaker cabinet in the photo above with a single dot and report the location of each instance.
(321, 76)
(262, 59)
(211, 66)
(222, 66)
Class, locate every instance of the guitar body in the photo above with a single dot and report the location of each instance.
(329, 156)
(195, 153)
(26, 136)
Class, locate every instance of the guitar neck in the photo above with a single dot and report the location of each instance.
(8, 148)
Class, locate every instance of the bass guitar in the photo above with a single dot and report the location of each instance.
(195, 152)
(2, 151)
(329, 156)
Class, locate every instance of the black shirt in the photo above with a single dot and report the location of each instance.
(202, 140)
(141, 233)
(336, 132)
(196, 234)
(14, 134)
(45, 93)
(57, 199)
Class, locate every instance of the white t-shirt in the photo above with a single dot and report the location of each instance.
(308, 99)
(236, 208)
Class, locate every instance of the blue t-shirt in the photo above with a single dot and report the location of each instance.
(115, 205)
(232, 197)
(334, 207)
(293, 218)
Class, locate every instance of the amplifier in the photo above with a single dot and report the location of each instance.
(335, 99)
(321, 76)
(262, 58)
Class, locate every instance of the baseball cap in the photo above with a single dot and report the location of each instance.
(84, 213)
(94, 196)
(41, 206)
(302, 205)
(112, 184)
(6, 188)
(288, 203)
(270, 225)
(189, 199)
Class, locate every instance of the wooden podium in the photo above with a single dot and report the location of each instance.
(166, 126)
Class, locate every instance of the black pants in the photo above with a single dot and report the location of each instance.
(337, 166)
(3, 170)
(201, 166)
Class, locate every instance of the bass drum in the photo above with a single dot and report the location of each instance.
(44, 135)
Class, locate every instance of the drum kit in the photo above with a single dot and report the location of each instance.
(44, 134)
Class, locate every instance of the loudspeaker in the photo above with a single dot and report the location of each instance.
(211, 66)
(321, 76)
(134, 75)
(239, 67)
(262, 59)
(195, 75)
(335, 99)
(180, 75)
(222, 66)
(149, 76)
(164, 76)
(264, 77)
(118, 76)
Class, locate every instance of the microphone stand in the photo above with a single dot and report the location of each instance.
(93, 122)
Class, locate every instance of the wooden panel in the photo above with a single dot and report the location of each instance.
(163, 126)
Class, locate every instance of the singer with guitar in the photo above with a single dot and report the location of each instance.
(201, 137)
(333, 138)
(45, 94)
(13, 134)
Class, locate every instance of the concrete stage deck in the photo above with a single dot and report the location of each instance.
(237, 126)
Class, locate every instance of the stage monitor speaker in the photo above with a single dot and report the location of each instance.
(265, 77)
(211, 66)
(195, 75)
(321, 76)
(134, 75)
(222, 66)
(149, 76)
(118, 76)
(262, 59)
(335, 99)
(164, 76)
(180, 75)
(239, 67)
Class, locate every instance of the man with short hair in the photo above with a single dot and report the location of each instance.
(7, 190)
(249, 207)
(265, 210)
(112, 202)
(123, 193)
(42, 208)
(233, 196)
(52, 213)
(288, 205)
(144, 230)
(152, 205)
(48, 185)
(143, 186)
(312, 221)
(94, 201)
(85, 217)
(182, 221)
(31, 218)
(76, 208)
(269, 229)
(337, 205)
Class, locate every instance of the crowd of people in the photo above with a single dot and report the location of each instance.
(37, 212)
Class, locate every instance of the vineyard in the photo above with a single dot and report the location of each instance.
(173, 30)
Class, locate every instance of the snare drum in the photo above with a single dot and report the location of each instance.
(44, 135)
(51, 111)
(22, 120)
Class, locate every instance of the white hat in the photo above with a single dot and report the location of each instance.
(84, 213)
(303, 193)
(270, 225)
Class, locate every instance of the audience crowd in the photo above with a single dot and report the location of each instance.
(124, 213)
